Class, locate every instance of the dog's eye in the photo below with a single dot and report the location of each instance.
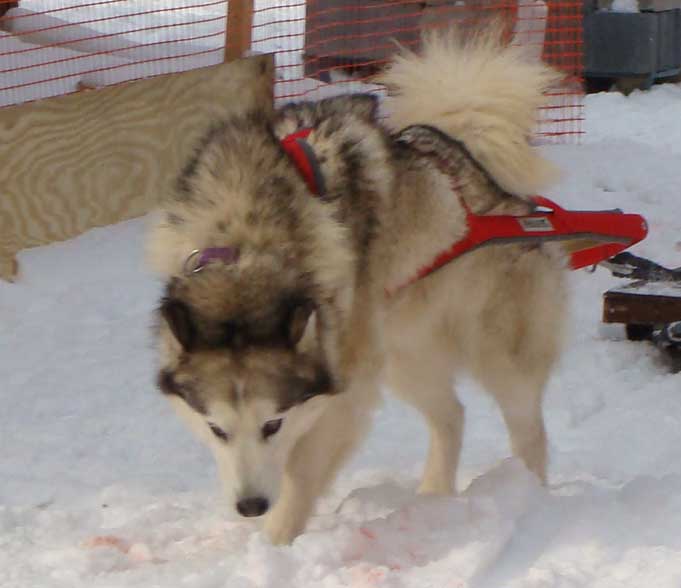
(218, 432)
(270, 428)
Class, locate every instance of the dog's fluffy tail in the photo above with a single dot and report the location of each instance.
(483, 93)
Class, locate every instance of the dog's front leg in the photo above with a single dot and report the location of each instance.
(288, 517)
(315, 460)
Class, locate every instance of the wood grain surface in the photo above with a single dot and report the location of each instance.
(98, 157)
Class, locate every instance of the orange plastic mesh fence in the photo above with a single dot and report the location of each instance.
(323, 47)
(346, 42)
(54, 47)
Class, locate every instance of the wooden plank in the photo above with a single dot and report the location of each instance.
(98, 157)
(239, 23)
(643, 304)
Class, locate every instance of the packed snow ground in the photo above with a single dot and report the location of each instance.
(102, 487)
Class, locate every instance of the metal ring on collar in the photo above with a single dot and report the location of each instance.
(192, 258)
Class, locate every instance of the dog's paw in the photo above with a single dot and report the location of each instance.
(436, 488)
(281, 529)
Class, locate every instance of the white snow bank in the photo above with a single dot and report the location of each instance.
(624, 6)
(503, 531)
(651, 118)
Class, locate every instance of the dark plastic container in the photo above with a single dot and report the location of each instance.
(641, 44)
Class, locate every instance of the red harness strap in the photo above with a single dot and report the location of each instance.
(602, 233)
(304, 159)
(595, 235)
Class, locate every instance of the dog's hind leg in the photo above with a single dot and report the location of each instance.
(517, 343)
(518, 390)
(316, 459)
(426, 384)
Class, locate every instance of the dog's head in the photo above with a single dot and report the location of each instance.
(263, 300)
(252, 346)
(249, 387)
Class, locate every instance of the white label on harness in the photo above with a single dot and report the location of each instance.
(535, 224)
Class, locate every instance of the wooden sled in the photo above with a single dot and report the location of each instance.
(650, 306)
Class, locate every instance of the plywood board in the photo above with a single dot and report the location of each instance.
(98, 157)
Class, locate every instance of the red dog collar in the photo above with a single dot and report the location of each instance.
(304, 158)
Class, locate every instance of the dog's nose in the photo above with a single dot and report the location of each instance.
(252, 507)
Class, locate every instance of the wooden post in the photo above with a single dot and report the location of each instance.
(239, 23)
(5, 5)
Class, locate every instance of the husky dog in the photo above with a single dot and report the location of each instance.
(285, 310)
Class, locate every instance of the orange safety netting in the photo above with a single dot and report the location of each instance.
(54, 47)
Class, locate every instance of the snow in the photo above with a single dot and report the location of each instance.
(103, 487)
(672, 289)
(624, 6)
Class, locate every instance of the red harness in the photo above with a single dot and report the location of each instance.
(595, 235)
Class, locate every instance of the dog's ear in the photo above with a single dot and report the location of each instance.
(364, 106)
(298, 389)
(322, 384)
(166, 382)
(298, 321)
(178, 316)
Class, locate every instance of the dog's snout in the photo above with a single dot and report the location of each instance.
(252, 507)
